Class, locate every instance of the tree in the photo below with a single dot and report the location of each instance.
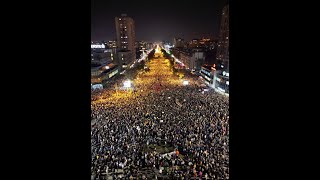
(151, 54)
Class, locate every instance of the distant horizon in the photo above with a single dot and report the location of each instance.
(211, 38)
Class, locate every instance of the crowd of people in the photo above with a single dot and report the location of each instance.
(127, 132)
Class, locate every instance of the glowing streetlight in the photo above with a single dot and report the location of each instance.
(185, 83)
(127, 84)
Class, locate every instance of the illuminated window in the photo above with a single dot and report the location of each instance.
(119, 19)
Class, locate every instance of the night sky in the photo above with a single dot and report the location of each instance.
(158, 20)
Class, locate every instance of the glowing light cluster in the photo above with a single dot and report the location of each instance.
(127, 84)
(185, 83)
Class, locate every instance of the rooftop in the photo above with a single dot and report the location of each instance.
(100, 66)
(209, 66)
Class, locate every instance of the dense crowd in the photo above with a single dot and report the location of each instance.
(126, 132)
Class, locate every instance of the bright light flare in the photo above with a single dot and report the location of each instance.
(185, 82)
(127, 84)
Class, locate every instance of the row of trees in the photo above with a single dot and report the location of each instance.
(151, 54)
(171, 59)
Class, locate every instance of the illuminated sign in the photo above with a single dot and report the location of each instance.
(97, 46)
(113, 73)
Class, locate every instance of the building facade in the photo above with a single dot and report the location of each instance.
(125, 58)
(112, 44)
(100, 73)
(223, 45)
(193, 60)
(178, 42)
(208, 74)
(222, 81)
(176, 52)
(126, 38)
(100, 53)
(222, 75)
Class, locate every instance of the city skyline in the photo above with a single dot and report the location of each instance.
(157, 21)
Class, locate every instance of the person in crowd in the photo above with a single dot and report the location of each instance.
(194, 124)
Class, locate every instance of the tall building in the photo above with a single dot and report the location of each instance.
(178, 42)
(126, 39)
(222, 75)
(223, 45)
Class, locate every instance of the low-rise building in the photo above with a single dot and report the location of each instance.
(192, 59)
(208, 73)
(103, 72)
(222, 81)
(100, 53)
